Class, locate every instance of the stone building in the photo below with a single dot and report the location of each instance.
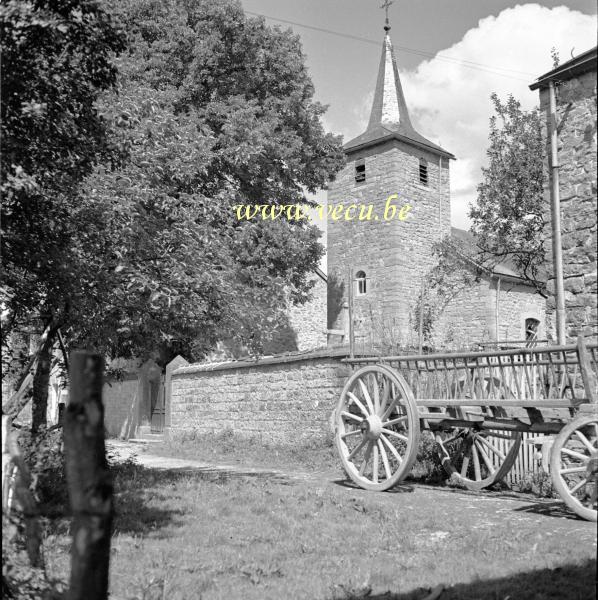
(405, 177)
(497, 305)
(575, 87)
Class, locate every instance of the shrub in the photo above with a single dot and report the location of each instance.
(45, 458)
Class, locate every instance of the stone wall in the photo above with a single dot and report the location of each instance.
(395, 255)
(471, 316)
(576, 108)
(285, 400)
(308, 320)
(516, 304)
(121, 405)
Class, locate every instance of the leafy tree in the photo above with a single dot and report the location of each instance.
(212, 110)
(215, 110)
(455, 270)
(56, 59)
(509, 216)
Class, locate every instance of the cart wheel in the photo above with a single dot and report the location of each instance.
(376, 428)
(574, 465)
(475, 458)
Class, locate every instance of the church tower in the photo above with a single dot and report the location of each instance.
(389, 166)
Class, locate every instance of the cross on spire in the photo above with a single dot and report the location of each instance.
(386, 5)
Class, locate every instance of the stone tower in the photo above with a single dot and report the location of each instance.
(389, 164)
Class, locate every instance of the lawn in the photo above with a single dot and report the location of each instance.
(210, 535)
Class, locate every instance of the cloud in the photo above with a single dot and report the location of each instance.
(450, 103)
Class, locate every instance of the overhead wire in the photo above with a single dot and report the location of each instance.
(501, 71)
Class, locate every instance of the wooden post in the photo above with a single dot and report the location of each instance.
(497, 311)
(587, 374)
(555, 203)
(88, 478)
(351, 324)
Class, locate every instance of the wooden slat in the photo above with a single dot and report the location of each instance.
(587, 374)
(562, 403)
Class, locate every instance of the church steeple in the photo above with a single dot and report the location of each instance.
(389, 117)
(389, 107)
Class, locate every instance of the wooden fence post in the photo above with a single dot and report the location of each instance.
(587, 374)
(88, 478)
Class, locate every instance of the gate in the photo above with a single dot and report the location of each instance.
(157, 405)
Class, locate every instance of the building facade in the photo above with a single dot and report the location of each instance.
(405, 178)
(387, 258)
(574, 85)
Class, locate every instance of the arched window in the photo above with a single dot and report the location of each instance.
(423, 171)
(531, 329)
(361, 281)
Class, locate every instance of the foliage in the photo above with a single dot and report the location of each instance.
(45, 459)
(556, 60)
(334, 298)
(455, 270)
(144, 256)
(509, 216)
(214, 110)
(56, 59)
(538, 483)
(19, 579)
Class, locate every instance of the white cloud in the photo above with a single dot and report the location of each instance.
(450, 103)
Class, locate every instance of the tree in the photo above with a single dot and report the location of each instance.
(456, 269)
(215, 110)
(509, 216)
(56, 59)
(211, 110)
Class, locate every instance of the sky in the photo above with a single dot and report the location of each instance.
(451, 54)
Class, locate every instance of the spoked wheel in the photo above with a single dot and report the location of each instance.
(477, 458)
(376, 428)
(574, 465)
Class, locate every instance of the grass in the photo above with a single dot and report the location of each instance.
(316, 456)
(228, 448)
(211, 536)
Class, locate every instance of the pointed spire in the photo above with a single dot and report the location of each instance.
(389, 107)
(389, 117)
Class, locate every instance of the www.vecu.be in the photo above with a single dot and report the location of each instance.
(336, 212)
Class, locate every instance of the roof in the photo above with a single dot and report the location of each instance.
(576, 66)
(389, 118)
(504, 268)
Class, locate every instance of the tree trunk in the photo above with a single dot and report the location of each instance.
(89, 480)
(41, 381)
(17, 401)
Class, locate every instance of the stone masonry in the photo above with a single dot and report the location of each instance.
(576, 117)
(395, 254)
(285, 400)
(399, 173)
(472, 317)
(308, 320)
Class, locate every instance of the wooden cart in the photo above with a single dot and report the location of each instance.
(477, 406)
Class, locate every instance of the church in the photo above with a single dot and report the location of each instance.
(378, 271)
(380, 268)
(383, 265)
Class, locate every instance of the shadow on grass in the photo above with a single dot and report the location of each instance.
(138, 490)
(553, 508)
(401, 488)
(569, 582)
